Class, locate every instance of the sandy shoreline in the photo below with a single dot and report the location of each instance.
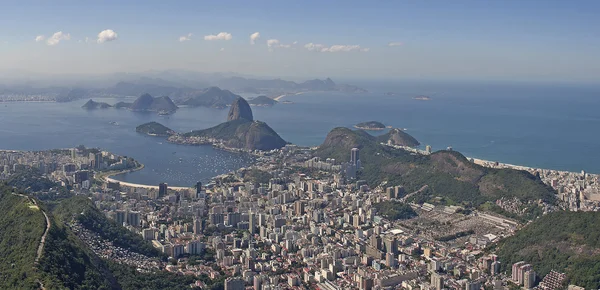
(137, 185)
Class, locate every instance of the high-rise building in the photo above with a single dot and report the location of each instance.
(355, 157)
(391, 245)
(198, 187)
(197, 227)
(529, 279)
(252, 223)
(234, 284)
(162, 189)
(521, 272)
(515, 270)
(437, 281)
(133, 218)
(120, 217)
(98, 160)
(299, 208)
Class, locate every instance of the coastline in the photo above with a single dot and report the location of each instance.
(108, 178)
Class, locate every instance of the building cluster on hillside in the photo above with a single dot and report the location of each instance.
(577, 191)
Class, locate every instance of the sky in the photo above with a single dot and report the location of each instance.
(522, 40)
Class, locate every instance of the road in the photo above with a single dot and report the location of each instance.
(413, 193)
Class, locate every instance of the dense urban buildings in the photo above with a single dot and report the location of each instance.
(298, 228)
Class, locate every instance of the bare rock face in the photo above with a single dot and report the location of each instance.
(240, 109)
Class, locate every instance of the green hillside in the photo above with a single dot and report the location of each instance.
(448, 174)
(567, 242)
(21, 228)
(66, 262)
(82, 209)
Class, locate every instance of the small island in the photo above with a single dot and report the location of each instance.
(91, 105)
(371, 126)
(262, 101)
(154, 129)
(422, 98)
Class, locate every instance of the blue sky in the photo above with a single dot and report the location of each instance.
(503, 40)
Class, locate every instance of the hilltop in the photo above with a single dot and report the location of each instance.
(91, 105)
(398, 137)
(240, 109)
(148, 103)
(567, 242)
(448, 174)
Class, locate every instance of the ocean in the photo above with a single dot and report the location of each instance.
(539, 125)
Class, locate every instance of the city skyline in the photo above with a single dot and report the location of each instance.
(511, 40)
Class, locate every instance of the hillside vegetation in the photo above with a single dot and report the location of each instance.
(448, 174)
(84, 211)
(66, 262)
(395, 210)
(21, 228)
(154, 129)
(567, 242)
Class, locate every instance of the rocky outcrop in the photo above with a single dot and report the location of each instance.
(240, 109)
(240, 131)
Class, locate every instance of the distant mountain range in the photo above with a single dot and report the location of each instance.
(183, 87)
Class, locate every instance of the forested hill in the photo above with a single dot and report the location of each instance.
(448, 174)
(66, 262)
(567, 242)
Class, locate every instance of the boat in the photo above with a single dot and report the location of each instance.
(114, 123)
(163, 113)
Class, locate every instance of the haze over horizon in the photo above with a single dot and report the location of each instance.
(508, 40)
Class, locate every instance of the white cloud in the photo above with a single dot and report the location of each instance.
(57, 37)
(106, 35)
(222, 49)
(253, 37)
(395, 43)
(220, 36)
(185, 37)
(40, 38)
(275, 43)
(334, 48)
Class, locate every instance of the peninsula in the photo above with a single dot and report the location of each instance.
(240, 133)
(371, 126)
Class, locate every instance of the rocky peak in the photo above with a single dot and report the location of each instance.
(240, 109)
